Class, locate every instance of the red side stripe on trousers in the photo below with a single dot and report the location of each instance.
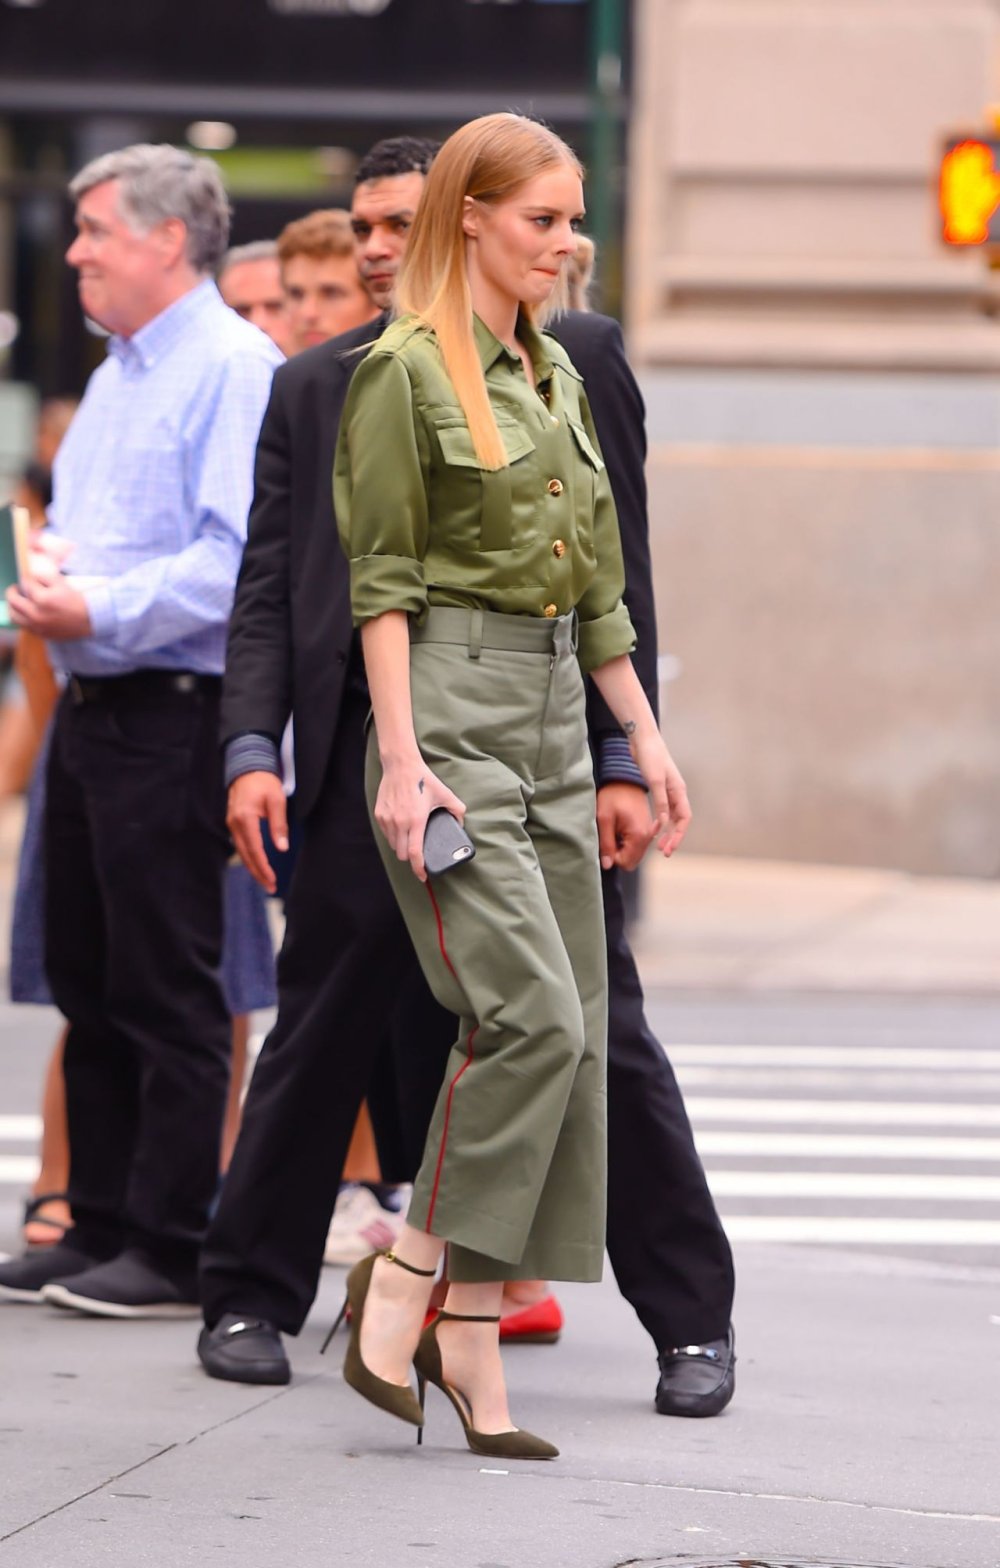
(466, 1064)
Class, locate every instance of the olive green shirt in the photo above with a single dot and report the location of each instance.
(423, 523)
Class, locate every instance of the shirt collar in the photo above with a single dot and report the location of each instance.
(153, 340)
(491, 349)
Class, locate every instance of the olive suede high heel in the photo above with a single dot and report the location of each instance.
(394, 1397)
(495, 1445)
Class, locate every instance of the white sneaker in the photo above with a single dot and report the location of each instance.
(361, 1225)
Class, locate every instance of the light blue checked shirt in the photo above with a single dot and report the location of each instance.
(153, 484)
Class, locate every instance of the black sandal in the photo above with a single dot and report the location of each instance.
(32, 1216)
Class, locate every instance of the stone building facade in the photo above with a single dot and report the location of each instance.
(823, 383)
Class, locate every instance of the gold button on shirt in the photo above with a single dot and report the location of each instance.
(423, 523)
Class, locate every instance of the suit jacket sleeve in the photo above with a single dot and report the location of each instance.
(257, 688)
(596, 346)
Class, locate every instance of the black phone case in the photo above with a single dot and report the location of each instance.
(446, 843)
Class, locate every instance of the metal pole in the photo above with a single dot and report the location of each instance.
(603, 184)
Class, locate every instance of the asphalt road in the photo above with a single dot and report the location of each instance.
(846, 1121)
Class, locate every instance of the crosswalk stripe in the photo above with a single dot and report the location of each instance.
(856, 1228)
(20, 1129)
(903, 1056)
(872, 1112)
(865, 1185)
(808, 1079)
(853, 1146)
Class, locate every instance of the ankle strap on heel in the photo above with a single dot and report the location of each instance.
(390, 1257)
(464, 1317)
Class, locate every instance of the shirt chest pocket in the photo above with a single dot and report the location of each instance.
(492, 488)
(587, 465)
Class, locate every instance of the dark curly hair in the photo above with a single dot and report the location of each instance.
(396, 155)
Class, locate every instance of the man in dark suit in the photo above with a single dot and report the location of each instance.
(667, 1247)
(292, 648)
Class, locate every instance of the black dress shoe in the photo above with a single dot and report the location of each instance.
(697, 1380)
(23, 1279)
(132, 1285)
(244, 1350)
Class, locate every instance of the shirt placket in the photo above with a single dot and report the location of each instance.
(558, 532)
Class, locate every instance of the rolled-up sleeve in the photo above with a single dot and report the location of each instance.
(605, 629)
(380, 491)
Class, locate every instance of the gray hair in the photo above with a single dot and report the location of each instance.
(160, 182)
(257, 250)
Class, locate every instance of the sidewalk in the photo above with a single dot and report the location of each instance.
(721, 924)
(863, 1432)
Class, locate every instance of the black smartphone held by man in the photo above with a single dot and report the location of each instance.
(446, 843)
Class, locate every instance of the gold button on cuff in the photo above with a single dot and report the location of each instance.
(555, 487)
(554, 418)
(559, 549)
(550, 610)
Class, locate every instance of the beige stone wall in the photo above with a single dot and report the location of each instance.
(833, 601)
(834, 614)
(782, 181)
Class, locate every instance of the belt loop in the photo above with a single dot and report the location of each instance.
(475, 633)
(562, 635)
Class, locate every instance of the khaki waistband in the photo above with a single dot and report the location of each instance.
(475, 629)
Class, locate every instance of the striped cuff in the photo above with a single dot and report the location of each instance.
(251, 753)
(615, 764)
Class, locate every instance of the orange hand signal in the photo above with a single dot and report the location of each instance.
(970, 193)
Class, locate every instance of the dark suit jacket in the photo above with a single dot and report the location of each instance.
(290, 637)
(596, 347)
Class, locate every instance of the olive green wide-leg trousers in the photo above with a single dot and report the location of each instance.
(514, 1172)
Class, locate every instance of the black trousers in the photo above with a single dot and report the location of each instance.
(345, 963)
(355, 1016)
(135, 853)
(666, 1243)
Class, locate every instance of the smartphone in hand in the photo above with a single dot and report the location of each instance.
(446, 843)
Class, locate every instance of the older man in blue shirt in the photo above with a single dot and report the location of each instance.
(151, 492)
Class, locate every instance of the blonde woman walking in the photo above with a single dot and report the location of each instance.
(486, 576)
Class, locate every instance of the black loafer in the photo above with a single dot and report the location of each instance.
(697, 1380)
(244, 1350)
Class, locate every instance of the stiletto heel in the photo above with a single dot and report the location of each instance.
(421, 1400)
(341, 1315)
(495, 1445)
(396, 1398)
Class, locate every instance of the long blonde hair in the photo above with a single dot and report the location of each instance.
(487, 159)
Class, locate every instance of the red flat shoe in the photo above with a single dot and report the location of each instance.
(539, 1324)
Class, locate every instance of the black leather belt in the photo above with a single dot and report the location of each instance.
(138, 684)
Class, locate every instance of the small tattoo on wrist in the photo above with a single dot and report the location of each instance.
(629, 727)
(420, 786)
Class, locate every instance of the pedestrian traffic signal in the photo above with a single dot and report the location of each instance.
(970, 191)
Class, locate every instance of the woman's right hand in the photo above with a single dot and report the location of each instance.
(407, 795)
(667, 790)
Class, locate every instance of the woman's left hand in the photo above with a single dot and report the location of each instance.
(667, 790)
